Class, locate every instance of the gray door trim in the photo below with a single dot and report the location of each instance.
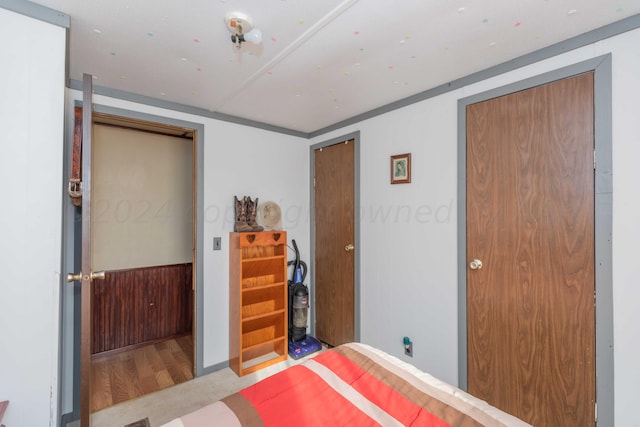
(603, 222)
(356, 228)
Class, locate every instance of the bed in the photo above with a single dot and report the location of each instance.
(350, 385)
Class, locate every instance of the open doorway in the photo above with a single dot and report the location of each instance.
(145, 317)
(142, 237)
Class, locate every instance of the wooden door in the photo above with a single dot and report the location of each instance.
(87, 274)
(530, 221)
(334, 243)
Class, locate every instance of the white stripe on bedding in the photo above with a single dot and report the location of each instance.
(217, 413)
(447, 393)
(353, 396)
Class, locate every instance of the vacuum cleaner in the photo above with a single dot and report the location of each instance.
(300, 344)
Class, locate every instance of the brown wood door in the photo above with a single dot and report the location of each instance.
(334, 243)
(530, 221)
(86, 289)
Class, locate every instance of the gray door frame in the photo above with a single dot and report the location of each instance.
(601, 66)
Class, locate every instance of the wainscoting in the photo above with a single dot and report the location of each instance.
(141, 305)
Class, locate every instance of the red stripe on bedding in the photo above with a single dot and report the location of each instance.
(393, 402)
(283, 400)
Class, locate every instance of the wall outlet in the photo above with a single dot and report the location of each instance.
(217, 243)
(408, 349)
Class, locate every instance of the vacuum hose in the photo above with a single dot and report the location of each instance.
(298, 298)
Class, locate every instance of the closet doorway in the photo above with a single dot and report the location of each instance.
(143, 237)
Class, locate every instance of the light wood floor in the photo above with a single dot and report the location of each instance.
(128, 374)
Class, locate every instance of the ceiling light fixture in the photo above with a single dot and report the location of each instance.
(242, 30)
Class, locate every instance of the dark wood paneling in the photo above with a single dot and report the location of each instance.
(139, 305)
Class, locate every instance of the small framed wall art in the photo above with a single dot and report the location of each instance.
(401, 168)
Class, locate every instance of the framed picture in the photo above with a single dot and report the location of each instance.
(401, 169)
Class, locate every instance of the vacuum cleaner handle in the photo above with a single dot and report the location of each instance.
(297, 263)
(304, 270)
(295, 247)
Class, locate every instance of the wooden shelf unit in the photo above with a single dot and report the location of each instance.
(258, 308)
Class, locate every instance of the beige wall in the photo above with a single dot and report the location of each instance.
(142, 196)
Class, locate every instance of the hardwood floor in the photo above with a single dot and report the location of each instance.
(128, 374)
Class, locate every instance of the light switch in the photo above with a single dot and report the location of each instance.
(217, 243)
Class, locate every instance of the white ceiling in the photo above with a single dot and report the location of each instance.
(320, 61)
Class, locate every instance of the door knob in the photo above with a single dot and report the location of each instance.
(78, 276)
(476, 264)
(73, 277)
(349, 247)
(97, 275)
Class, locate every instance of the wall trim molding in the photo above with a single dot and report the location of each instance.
(37, 11)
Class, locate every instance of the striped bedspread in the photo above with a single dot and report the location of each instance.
(350, 385)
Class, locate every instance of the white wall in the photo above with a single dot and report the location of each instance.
(31, 119)
(246, 161)
(415, 284)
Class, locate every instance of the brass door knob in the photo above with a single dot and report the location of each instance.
(78, 276)
(476, 264)
(349, 247)
(97, 275)
(73, 277)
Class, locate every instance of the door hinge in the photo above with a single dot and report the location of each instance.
(596, 412)
(594, 159)
(314, 182)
